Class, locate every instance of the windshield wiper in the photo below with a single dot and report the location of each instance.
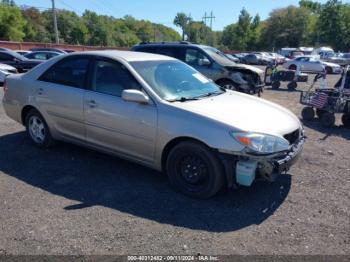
(210, 94)
(182, 99)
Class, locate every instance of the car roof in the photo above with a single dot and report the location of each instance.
(128, 56)
(177, 44)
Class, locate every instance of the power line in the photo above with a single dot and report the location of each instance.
(69, 6)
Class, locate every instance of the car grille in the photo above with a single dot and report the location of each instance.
(292, 137)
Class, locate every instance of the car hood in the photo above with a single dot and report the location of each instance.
(244, 112)
(248, 67)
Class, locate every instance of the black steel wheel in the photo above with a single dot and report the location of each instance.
(308, 113)
(194, 170)
(328, 119)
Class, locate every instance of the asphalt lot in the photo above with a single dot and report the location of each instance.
(70, 200)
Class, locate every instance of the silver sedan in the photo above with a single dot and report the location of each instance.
(159, 112)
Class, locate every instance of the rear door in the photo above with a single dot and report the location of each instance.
(127, 128)
(60, 92)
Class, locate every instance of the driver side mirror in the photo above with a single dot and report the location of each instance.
(133, 95)
(16, 60)
(204, 62)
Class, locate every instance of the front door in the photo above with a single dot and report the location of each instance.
(127, 128)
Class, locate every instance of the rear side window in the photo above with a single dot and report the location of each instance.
(69, 72)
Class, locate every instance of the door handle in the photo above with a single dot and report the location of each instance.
(40, 91)
(92, 104)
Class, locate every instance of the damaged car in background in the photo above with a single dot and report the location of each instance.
(159, 112)
(212, 63)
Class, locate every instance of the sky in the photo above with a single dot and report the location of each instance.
(163, 11)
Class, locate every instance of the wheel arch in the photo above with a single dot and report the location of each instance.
(172, 143)
(25, 111)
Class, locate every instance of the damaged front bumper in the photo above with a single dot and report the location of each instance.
(268, 167)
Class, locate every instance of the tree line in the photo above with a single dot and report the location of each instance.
(31, 24)
(308, 24)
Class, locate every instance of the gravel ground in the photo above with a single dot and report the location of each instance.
(70, 200)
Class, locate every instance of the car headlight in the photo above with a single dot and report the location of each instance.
(261, 143)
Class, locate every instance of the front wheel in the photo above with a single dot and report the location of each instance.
(37, 129)
(194, 170)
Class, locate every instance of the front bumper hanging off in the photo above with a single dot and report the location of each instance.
(269, 167)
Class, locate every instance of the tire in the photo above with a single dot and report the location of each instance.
(38, 130)
(328, 119)
(319, 113)
(308, 113)
(329, 70)
(227, 84)
(276, 84)
(346, 119)
(292, 86)
(194, 170)
(293, 67)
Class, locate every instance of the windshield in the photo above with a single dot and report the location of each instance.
(176, 81)
(217, 55)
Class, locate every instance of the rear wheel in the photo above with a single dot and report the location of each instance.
(276, 84)
(329, 70)
(328, 119)
(194, 170)
(37, 129)
(308, 113)
(292, 86)
(346, 119)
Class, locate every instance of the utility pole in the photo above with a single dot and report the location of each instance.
(55, 21)
(211, 17)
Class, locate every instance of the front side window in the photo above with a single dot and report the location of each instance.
(194, 56)
(111, 78)
(174, 80)
(69, 72)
